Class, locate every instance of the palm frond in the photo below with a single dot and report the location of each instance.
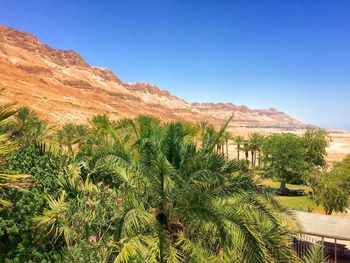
(137, 221)
(316, 254)
(52, 217)
(135, 249)
(218, 136)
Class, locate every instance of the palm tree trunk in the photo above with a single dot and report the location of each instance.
(70, 149)
(283, 188)
(253, 153)
(238, 147)
(252, 157)
(227, 148)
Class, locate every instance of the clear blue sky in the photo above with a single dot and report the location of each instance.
(293, 55)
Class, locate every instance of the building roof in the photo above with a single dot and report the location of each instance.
(324, 225)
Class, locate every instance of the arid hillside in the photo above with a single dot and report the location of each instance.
(61, 87)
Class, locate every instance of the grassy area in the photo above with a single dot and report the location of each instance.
(300, 203)
(275, 184)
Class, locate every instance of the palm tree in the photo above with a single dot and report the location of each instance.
(238, 141)
(254, 141)
(28, 128)
(227, 136)
(174, 202)
(69, 136)
(24, 118)
(202, 127)
(6, 180)
(209, 134)
(220, 145)
(246, 149)
(82, 133)
(260, 142)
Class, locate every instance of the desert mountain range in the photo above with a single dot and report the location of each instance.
(62, 87)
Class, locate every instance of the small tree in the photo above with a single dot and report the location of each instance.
(331, 189)
(316, 141)
(284, 154)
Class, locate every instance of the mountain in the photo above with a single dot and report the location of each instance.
(61, 87)
(249, 118)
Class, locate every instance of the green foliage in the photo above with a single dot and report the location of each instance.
(138, 190)
(255, 142)
(159, 198)
(316, 141)
(290, 158)
(316, 254)
(238, 140)
(28, 128)
(8, 181)
(71, 135)
(19, 237)
(87, 218)
(331, 188)
(285, 157)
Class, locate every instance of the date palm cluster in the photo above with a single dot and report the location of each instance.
(139, 190)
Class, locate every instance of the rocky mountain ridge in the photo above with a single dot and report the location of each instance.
(61, 87)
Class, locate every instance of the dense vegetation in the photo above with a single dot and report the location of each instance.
(332, 187)
(139, 190)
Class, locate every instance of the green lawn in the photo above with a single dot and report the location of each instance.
(275, 184)
(300, 203)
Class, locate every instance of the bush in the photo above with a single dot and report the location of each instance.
(20, 239)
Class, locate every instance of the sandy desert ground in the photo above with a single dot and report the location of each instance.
(340, 146)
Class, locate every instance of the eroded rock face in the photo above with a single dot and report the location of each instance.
(62, 87)
(244, 116)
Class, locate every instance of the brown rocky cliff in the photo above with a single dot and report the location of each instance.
(62, 87)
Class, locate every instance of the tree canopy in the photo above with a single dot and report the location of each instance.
(139, 190)
(316, 141)
(285, 155)
(289, 157)
(332, 187)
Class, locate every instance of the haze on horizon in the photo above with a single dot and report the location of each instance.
(289, 55)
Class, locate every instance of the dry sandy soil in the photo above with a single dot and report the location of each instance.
(340, 146)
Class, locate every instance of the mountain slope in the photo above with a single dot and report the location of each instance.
(249, 118)
(62, 87)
